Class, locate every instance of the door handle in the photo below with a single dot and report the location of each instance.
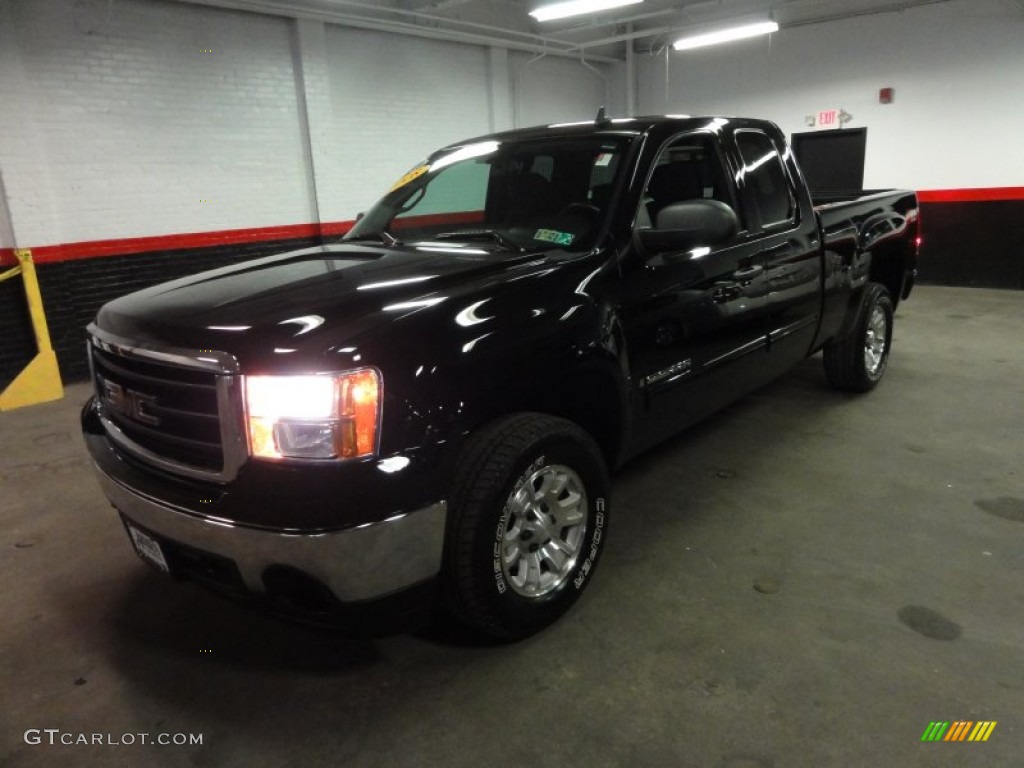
(748, 273)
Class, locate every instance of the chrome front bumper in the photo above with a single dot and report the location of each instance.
(356, 564)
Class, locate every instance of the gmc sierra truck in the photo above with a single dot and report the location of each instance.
(426, 411)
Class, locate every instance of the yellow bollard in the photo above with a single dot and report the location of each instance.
(39, 382)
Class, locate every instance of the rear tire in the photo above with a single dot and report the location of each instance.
(529, 518)
(857, 362)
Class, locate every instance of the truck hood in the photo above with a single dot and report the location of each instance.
(304, 302)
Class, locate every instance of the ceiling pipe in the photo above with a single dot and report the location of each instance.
(549, 46)
(508, 38)
(618, 21)
(896, 7)
(337, 9)
(441, 5)
(604, 78)
(446, 20)
(638, 35)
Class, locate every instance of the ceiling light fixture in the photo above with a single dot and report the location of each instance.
(726, 35)
(577, 8)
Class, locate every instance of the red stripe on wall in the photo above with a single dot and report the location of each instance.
(977, 195)
(99, 248)
(92, 249)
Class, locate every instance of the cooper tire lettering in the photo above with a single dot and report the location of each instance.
(530, 510)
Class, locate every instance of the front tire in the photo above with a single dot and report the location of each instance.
(857, 362)
(529, 518)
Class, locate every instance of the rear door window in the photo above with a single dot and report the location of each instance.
(767, 191)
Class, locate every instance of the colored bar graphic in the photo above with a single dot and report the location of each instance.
(958, 730)
(982, 731)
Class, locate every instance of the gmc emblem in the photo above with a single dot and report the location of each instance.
(128, 402)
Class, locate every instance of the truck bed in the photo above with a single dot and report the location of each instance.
(882, 224)
(826, 199)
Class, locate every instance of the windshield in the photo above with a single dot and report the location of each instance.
(519, 195)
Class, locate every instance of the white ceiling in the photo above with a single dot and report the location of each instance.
(603, 36)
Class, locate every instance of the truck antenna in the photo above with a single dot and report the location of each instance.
(601, 120)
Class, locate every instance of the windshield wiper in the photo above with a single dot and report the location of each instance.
(493, 235)
(381, 236)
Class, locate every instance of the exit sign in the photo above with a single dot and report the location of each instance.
(830, 118)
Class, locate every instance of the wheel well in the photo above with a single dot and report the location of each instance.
(892, 257)
(889, 268)
(593, 401)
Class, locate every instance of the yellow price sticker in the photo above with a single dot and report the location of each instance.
(411, 176)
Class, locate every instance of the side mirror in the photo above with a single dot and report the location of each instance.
(690, 224)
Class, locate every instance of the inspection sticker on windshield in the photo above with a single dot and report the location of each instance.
(553, 236)
(412, 175)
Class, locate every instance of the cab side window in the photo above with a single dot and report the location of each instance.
(769, 197)
(688, 169)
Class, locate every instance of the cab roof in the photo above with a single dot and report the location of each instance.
(622, 126)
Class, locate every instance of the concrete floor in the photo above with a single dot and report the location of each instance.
(887, 532)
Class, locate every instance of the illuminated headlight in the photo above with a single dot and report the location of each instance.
(313, 417)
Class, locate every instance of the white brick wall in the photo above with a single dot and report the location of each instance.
(118, 122)
(957, 67)
(556, 90)
(122, 126)
(393, 100)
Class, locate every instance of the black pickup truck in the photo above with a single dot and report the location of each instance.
(426, 412)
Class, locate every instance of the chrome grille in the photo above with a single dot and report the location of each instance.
(176, 409)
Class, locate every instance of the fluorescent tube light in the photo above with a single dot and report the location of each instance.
(577, 8)
(726, 35)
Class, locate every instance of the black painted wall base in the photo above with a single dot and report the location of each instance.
(74, 290)
(17, 344)
(973, 244)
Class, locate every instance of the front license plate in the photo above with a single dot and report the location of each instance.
(148, 549)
